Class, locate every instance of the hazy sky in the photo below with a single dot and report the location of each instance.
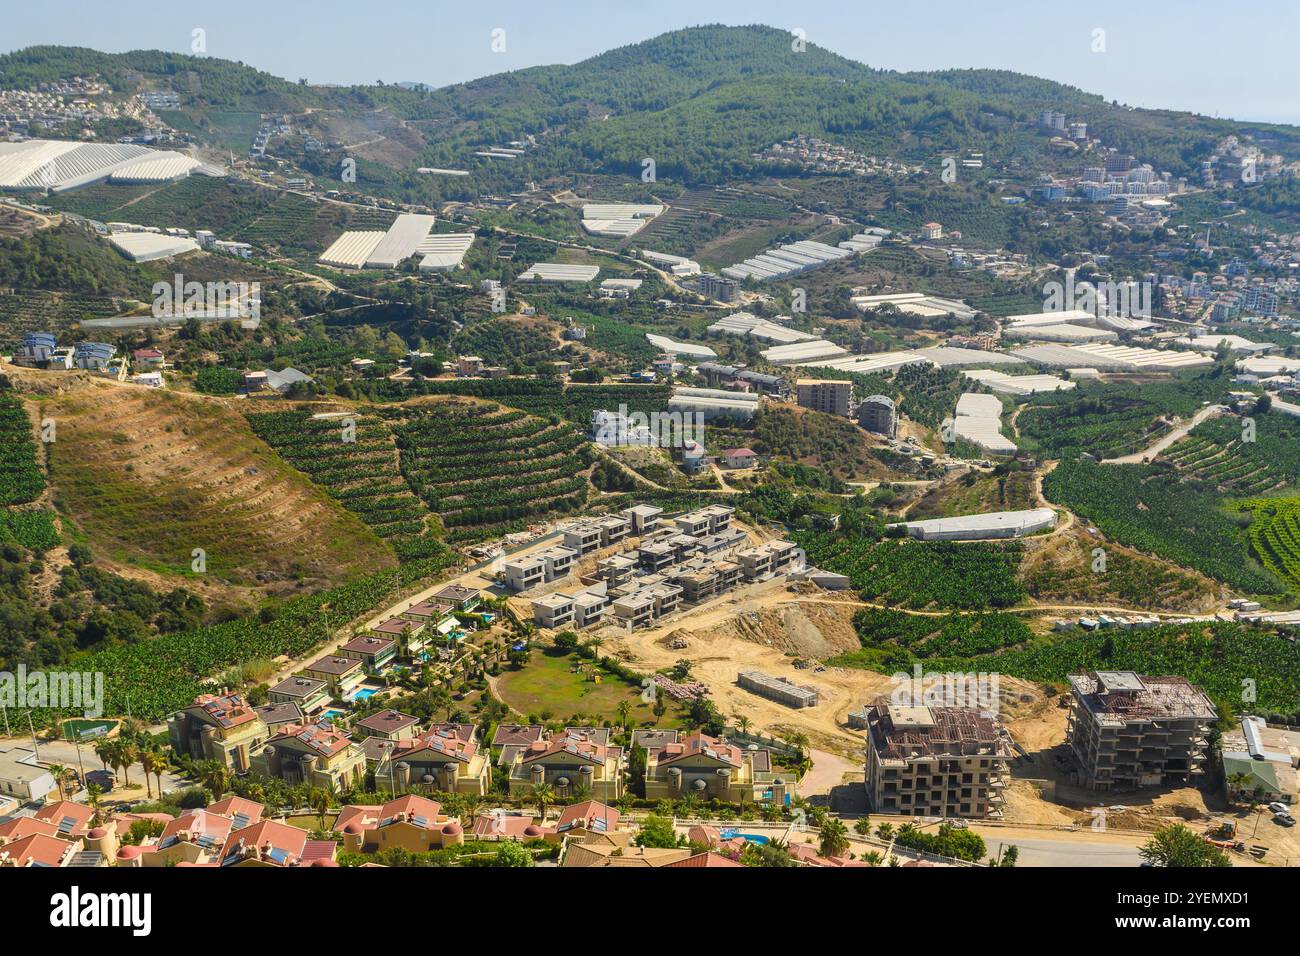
(1216, 58)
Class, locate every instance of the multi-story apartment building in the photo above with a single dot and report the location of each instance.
(1129, 731)
(878, 414)
(824, 395)
(935, 761)
(218, 727)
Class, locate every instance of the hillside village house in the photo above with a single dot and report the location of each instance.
(306, 693)
(738, 458)
(713, 769)
(223, 728)
(577, 758)
(410, 823)
(315, 754)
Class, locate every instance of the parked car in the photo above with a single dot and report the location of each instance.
(1284, 819)
(102, 779)
(1277, 806)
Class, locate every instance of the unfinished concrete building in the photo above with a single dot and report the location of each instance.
(1129, 731)
(935, 761)
(778, 689)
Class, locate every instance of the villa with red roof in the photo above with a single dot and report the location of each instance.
(38, 849)
(314, 754)
(411, 823)
(568, 762)
(446, 757)
(710, 768)
(224, 728)
(71, 820)
(267, 843)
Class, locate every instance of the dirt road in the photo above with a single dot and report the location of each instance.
(1178, 434)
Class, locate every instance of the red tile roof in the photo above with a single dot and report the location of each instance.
(321, 738)
(314, 850)
(701, 744)
(235, 806)
(225, 711)
(38, 849)
(578, 745)
(56, 813)
(20, 827)
(193, 824)
(587, 811)
(276, 843)
(508, 826)
(705, 859)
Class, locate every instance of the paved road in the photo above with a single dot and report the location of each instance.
(65, 753)
(1047, 852)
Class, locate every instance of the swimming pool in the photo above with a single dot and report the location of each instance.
(757, 838)
(331, 714)
(365, 693)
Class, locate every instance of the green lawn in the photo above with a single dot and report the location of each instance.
(547, 686)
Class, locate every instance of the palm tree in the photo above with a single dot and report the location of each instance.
(58, 772)
(215, 776)
(153, 762)
(544, 794)
(128, 753)
(624, 712)
(92, 800)
(319, 801)
(102, 750)
(1240, 783)
(885, 831)
(742, 723)
(834, 838)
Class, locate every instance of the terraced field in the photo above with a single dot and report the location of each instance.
(486, 469)
(360, 467)
(1216, 453)
(1275, 535)
(147, 477)
(46, 312)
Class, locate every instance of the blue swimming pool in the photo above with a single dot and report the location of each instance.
(365, 693)
(750, 837)
(331, 714)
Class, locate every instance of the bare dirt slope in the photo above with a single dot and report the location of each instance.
(146, 477)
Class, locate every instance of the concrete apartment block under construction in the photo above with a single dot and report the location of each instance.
(935, 761)
(1129, 731)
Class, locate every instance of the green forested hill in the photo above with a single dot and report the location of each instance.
(699, 101)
